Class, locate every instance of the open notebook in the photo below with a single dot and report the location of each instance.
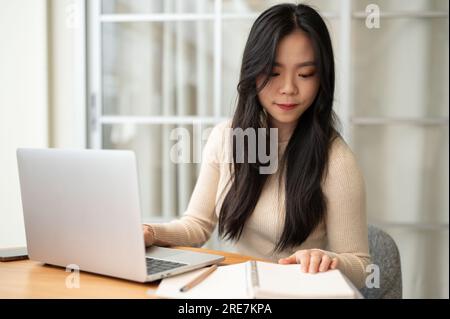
(254, 279)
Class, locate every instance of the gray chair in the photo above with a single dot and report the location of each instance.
(385, 254)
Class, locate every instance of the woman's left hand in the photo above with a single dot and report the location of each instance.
(311, 260)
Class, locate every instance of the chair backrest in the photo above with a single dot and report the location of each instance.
(385, 255)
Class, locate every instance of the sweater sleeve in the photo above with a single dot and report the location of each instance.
(199, 220)
(346, 213)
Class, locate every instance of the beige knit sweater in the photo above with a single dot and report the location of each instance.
(343, 233)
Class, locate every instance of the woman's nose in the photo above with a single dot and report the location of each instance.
(288, 87)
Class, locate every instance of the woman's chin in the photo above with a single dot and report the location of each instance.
(285, 120)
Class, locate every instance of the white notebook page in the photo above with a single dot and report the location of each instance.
(288, 281)
(226, 282)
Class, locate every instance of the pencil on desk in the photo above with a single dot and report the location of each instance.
(194, 282)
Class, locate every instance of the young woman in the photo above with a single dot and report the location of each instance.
(312, 210)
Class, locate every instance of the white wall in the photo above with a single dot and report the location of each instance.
(67, 73)
(23, 102)
(42, 101)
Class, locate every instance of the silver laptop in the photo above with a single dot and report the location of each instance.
(81, 207)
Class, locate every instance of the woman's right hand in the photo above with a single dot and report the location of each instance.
(148, 235)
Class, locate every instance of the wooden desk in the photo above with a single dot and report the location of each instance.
(31, 279)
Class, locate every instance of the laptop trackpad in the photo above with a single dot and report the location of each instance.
(177, 255)
(170, 254)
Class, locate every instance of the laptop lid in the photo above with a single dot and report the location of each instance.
(82, 207)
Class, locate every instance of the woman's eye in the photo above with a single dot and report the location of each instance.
(306, 75)
(274, 74)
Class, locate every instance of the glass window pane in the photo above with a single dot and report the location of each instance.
(168, 158)
(246, 6)
(424, 261)
(257, 6)
(232, 50)
(158, 68)
(156, 6)
(402, 5)
(401, 69)
(406, 172)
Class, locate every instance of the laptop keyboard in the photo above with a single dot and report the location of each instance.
(157, 265)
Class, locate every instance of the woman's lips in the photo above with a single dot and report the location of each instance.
(286, 106)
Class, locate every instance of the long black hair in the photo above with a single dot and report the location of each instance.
(305, 158)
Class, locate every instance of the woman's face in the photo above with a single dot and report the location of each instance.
(293, 83)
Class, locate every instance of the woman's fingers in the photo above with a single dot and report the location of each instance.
(304, 258)
(325, 263)
(315, 261)
(334, 263)
(292, 259)
(147, 235)
(311, 261)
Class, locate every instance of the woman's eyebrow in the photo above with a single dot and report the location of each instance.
(298, 65)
